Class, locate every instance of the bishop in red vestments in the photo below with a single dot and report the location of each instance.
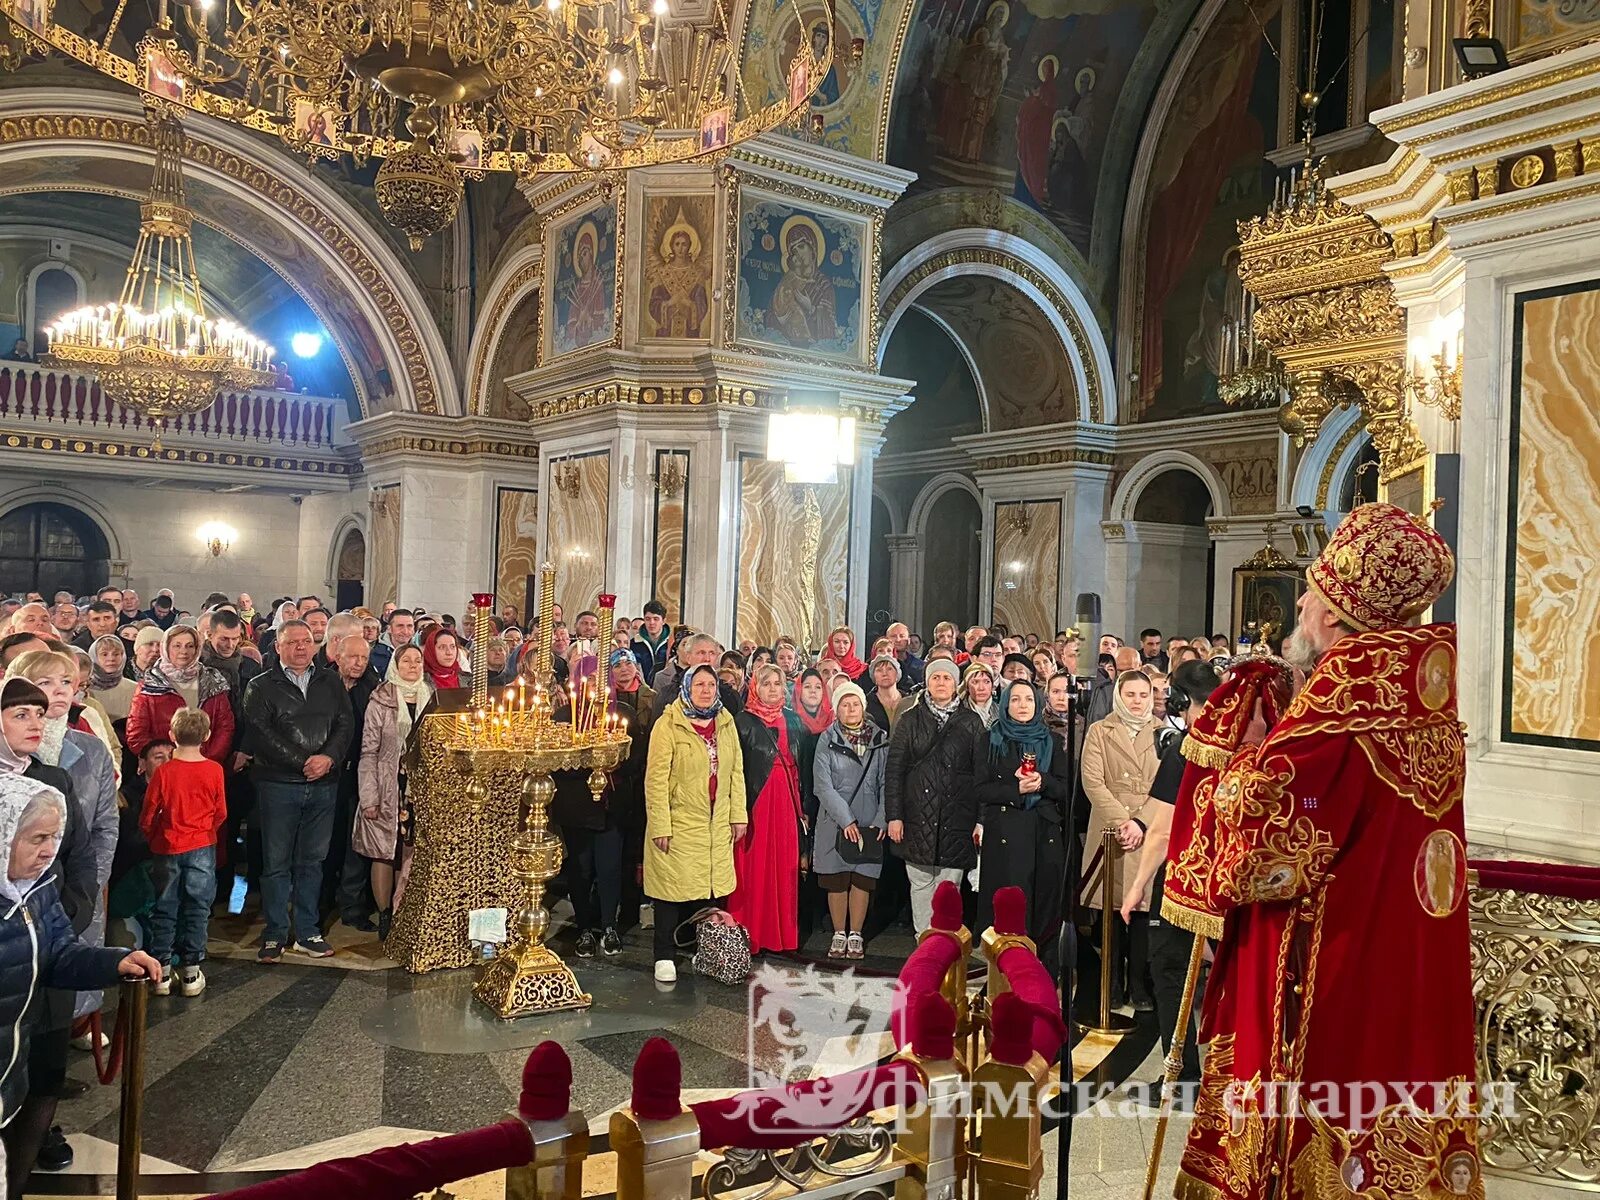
(1321, 838)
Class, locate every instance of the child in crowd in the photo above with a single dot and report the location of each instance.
(132, 897)
(184, 808)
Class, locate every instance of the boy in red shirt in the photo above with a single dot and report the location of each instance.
(184, 807)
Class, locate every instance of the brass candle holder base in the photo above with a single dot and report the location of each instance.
(527, 977)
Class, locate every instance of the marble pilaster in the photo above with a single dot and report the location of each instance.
(905, 578)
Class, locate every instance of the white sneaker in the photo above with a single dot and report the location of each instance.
(85, 1041)
(666, 971)
(837, 947)
(194, 981)
(164, 988)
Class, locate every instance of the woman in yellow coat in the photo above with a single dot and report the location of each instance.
(694, 809)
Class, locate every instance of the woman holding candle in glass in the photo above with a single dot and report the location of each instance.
(694, 798)
(767, 860)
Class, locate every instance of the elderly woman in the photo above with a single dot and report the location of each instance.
(178, 680)
(146, 651)
(927, 790)
(767, 861)
(694, 797)
(848, 773)
(391, 718)
(1021, 782)
(1119, 764)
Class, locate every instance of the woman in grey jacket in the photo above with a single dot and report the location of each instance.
(848, 854)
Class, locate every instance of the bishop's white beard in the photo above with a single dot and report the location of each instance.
(1300, 652)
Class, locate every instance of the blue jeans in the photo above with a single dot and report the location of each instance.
(186, 885)
(296, 823)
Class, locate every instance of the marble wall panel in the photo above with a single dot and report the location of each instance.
(773, 533)
(672, 522)
(516, 547)
(580, 513)
(1553, 626)
(1027, 565)
(383, 562)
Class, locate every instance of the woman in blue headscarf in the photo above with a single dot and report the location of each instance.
(1022, 789)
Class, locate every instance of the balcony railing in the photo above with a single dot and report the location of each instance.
(37, 394)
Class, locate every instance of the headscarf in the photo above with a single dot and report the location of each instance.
(1119, 710)
(852, 666)
(942, 712)
(15, 692)
(443, 678)
(817, 719)
(418, 693)
(693, 713)
(101, 680)
(287, 611)
(987, 711)
(1027, 737)
(769, 714)
(17, 792)
(164, 677)
(618, 655)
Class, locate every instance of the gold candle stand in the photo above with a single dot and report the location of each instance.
(528, 977)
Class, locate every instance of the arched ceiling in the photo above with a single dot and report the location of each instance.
(945, 402)
(236, 282)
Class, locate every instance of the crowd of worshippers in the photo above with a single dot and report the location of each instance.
(259, 756)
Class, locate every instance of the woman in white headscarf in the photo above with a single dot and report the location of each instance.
(38, 949)
(180, 680)
(392, 715)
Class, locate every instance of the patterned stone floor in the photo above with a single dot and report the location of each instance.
(275, 1068)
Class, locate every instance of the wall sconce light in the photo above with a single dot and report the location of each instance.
(566, 477)
(217, 537)
(672, 477)
(1435, 378)
(1017, 519)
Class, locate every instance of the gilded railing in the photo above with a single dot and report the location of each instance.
(1536, 980)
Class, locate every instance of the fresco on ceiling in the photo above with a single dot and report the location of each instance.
(1019, 357)
(583, 284)
(849, 98)
(800, 278)
(1018, 96)
(1209, 173)
(944, 401)
(677, 268)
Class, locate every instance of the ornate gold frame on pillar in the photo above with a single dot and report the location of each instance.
(1328, 314)
(1266, 589)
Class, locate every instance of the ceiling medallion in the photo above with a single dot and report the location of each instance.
(155, 350)
(453, 88)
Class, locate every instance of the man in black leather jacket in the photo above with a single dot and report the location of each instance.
(300, 725)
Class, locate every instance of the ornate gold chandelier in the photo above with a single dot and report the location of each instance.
(1250, 377)
(155, 350)
(442, 89)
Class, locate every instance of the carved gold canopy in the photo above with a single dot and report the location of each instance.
(1327, 312)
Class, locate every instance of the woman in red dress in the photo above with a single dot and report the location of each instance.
(766, 861)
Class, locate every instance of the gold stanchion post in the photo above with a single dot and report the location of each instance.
(1174, 1065)
(1108, 1020)
(135, 998)
(559, 1150)
(655, 1159)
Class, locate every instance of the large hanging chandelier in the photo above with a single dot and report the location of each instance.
(442, 89)
(155, 350)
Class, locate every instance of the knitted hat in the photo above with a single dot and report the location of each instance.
(886, 658)
(848, 689)
(1220, 727)
(942, 666)
(1381, 568)
(149, 635)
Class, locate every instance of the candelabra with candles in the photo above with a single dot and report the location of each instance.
(480, 779)
(523, 727)
(1249, 377)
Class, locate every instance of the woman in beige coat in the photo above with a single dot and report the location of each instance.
(391, 716)
(694, 809)
(1119, 764)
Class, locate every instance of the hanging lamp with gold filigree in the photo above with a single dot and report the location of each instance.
(155, 350)
(446, 89)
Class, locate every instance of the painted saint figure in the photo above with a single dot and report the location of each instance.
(679, 300)
(588, 317)
(803, 304)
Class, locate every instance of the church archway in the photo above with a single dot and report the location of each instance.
(47, 546)
(1160, 559)
(350, 568)
(299, 225)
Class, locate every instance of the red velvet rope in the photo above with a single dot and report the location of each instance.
(105, 1071)
(1540, 878)
(1032, 984)
(923, 972)
(401, 1172)
(783, 1117)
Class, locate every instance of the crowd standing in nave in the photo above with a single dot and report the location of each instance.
(265, 751)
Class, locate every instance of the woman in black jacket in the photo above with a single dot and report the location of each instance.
(1020, 780)
(927, 789)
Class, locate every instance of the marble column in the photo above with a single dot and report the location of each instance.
(905, 577)
(433, 483)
